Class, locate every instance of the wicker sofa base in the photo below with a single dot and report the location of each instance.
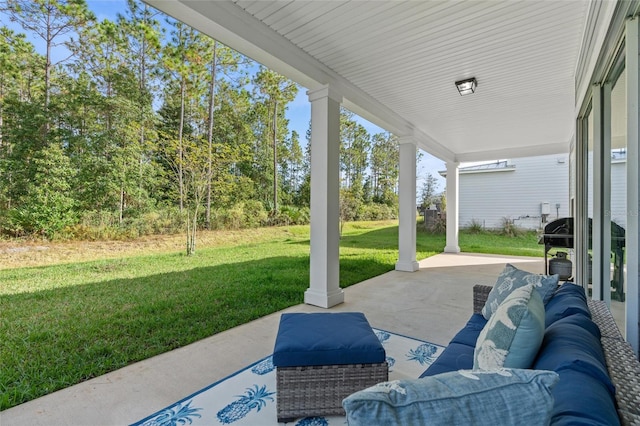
(319, 390)
(622, 363)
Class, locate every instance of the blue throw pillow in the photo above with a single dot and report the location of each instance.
(462, 397)
(512, 336)
(512, 278)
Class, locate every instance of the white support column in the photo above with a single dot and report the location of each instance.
(324, 285)
(453, 193)
(632, 44)
(407, 206)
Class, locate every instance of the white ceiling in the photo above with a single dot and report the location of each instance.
(395, 63)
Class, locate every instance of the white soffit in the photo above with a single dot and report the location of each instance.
(396, 62)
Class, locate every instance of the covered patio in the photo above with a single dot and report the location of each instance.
(545, 72)
(430, 304)
(543, 81)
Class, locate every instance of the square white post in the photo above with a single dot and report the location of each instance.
(453, 193)
(324, 281)
(407, 207)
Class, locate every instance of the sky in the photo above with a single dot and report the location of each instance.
(298, 111)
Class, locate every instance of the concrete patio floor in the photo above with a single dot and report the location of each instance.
(431, 304)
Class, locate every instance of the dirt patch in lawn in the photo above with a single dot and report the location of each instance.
(17, 254)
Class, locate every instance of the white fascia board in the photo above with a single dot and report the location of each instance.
(527, 151)
(443, 173)
(230, 25)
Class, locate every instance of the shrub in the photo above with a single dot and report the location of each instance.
(509, 228)
(474, 227)
(376, 211)
(291, 215)
(254, 214)
(439, 226)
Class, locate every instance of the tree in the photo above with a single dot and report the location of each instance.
(51, 20)
(384, 168)
(354, 146)
(18, 61)
(277, 91)
(303, 194)
(46, 207)
(102, 52)
(196, 177)
(225, 59)
(143, 32)
(185, 66)
(428, 194)
(291, 163)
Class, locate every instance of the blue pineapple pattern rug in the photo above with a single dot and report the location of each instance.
(248, 396)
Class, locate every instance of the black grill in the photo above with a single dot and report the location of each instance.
(560, 234)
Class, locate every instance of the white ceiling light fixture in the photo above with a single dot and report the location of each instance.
(467, 87)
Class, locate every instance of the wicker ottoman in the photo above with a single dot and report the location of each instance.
(322, 358)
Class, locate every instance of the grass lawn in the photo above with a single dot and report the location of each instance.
(66, 323)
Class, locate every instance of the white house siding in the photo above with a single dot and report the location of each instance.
(488, 196)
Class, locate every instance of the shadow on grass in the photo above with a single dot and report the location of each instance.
(387, 239)
(56, 338)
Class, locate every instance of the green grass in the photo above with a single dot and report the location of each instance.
(67, 323)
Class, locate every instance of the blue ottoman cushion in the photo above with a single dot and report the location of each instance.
(326, 339)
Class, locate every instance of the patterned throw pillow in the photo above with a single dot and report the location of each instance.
(512, 278)
(513, 335)
(502, 397)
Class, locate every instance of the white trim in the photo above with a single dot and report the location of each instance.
(595, 34)
(633, 190)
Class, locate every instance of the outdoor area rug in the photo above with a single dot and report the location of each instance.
(248, 397)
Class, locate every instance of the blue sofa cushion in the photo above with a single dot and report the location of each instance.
(569, 299)
(501, 397)
(468, 335)
(456, 356)
(581, 399)
(569, 345)
(581, 321)
(512, 278)
(512, 336)
(326, 339)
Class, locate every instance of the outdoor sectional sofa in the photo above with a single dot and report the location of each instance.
(599, 373)
(532, 353)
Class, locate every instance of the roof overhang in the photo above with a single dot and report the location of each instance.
(395, 63)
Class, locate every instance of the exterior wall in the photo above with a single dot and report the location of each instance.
(488, 196)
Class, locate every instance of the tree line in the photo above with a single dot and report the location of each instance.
(141, 124)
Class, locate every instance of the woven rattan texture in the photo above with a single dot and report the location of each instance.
(622, 364)
(602, 316)
(319, 390)
(480, 295)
